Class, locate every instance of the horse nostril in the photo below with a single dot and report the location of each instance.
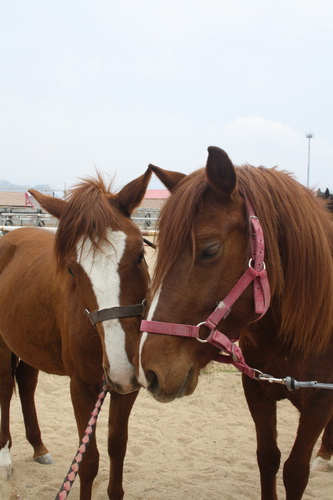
(152, 380)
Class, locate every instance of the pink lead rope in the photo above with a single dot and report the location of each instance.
(256, 273)
(74, 468)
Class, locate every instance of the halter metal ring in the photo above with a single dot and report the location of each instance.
(251, 261)
(203, 341)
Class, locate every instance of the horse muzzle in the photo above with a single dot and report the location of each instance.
(165, 393)
(121, 387)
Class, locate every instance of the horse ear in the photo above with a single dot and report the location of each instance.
(132, 194)
(53, 206)
(220, 171)
(170, 179)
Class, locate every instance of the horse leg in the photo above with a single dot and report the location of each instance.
(297, 468)
(84, 398)
(27, 377)
(323, 461)
(6, 391)
(120, 409)
(263, 411)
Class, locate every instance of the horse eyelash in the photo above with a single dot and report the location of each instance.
(71, 272)
(141, 257)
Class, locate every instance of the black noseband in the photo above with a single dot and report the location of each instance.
(116, 312)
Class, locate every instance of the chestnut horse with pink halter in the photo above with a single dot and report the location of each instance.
(71, 304)
(211, 245)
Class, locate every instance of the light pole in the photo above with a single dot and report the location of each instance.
(309, 136)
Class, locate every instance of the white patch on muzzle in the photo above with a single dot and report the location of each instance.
(142, 377)
(102, 269)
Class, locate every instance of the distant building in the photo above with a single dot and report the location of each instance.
(147, 213)
(19, 208)
(15, 199)
(154, 198)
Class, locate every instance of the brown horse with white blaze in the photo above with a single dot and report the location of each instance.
(71, 304)
(207, 227)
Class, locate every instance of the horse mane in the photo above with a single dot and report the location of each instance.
(298, 234)
(88, 214)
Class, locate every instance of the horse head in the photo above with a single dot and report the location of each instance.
(100, 255)
(203, 251)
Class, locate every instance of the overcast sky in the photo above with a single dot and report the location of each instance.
(118, 84)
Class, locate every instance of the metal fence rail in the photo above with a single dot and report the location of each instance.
(27, 219)
(145, 219)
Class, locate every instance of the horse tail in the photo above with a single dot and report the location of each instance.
(14, 364)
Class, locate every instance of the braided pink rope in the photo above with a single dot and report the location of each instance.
(74, 468)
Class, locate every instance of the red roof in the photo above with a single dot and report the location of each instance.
(157, 194)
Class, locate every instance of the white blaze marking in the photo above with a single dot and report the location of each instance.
(142, 377)
(102, 269)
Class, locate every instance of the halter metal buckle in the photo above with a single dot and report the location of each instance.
(233, 354)
(88, 313)
(203, 341)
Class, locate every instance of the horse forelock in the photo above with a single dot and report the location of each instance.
(298, 248)
(88, 214)
(176, 222)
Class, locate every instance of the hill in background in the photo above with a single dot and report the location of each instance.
(9, 186)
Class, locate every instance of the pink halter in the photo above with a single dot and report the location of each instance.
(256, 273)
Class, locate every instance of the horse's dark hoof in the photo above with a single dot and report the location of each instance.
(45, 459)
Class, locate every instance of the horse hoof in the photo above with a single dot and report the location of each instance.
(45, 459)
(6, 472)
(322, 465)
(5, 463)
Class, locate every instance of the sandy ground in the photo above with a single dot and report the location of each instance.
(202, 446)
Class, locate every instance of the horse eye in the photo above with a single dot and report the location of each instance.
(141, 257)
(209, 251)
(70, 272)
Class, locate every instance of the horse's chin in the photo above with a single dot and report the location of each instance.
(167, 398)
(132, 386)
(186, 389)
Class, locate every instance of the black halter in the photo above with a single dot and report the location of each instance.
(116, 312)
